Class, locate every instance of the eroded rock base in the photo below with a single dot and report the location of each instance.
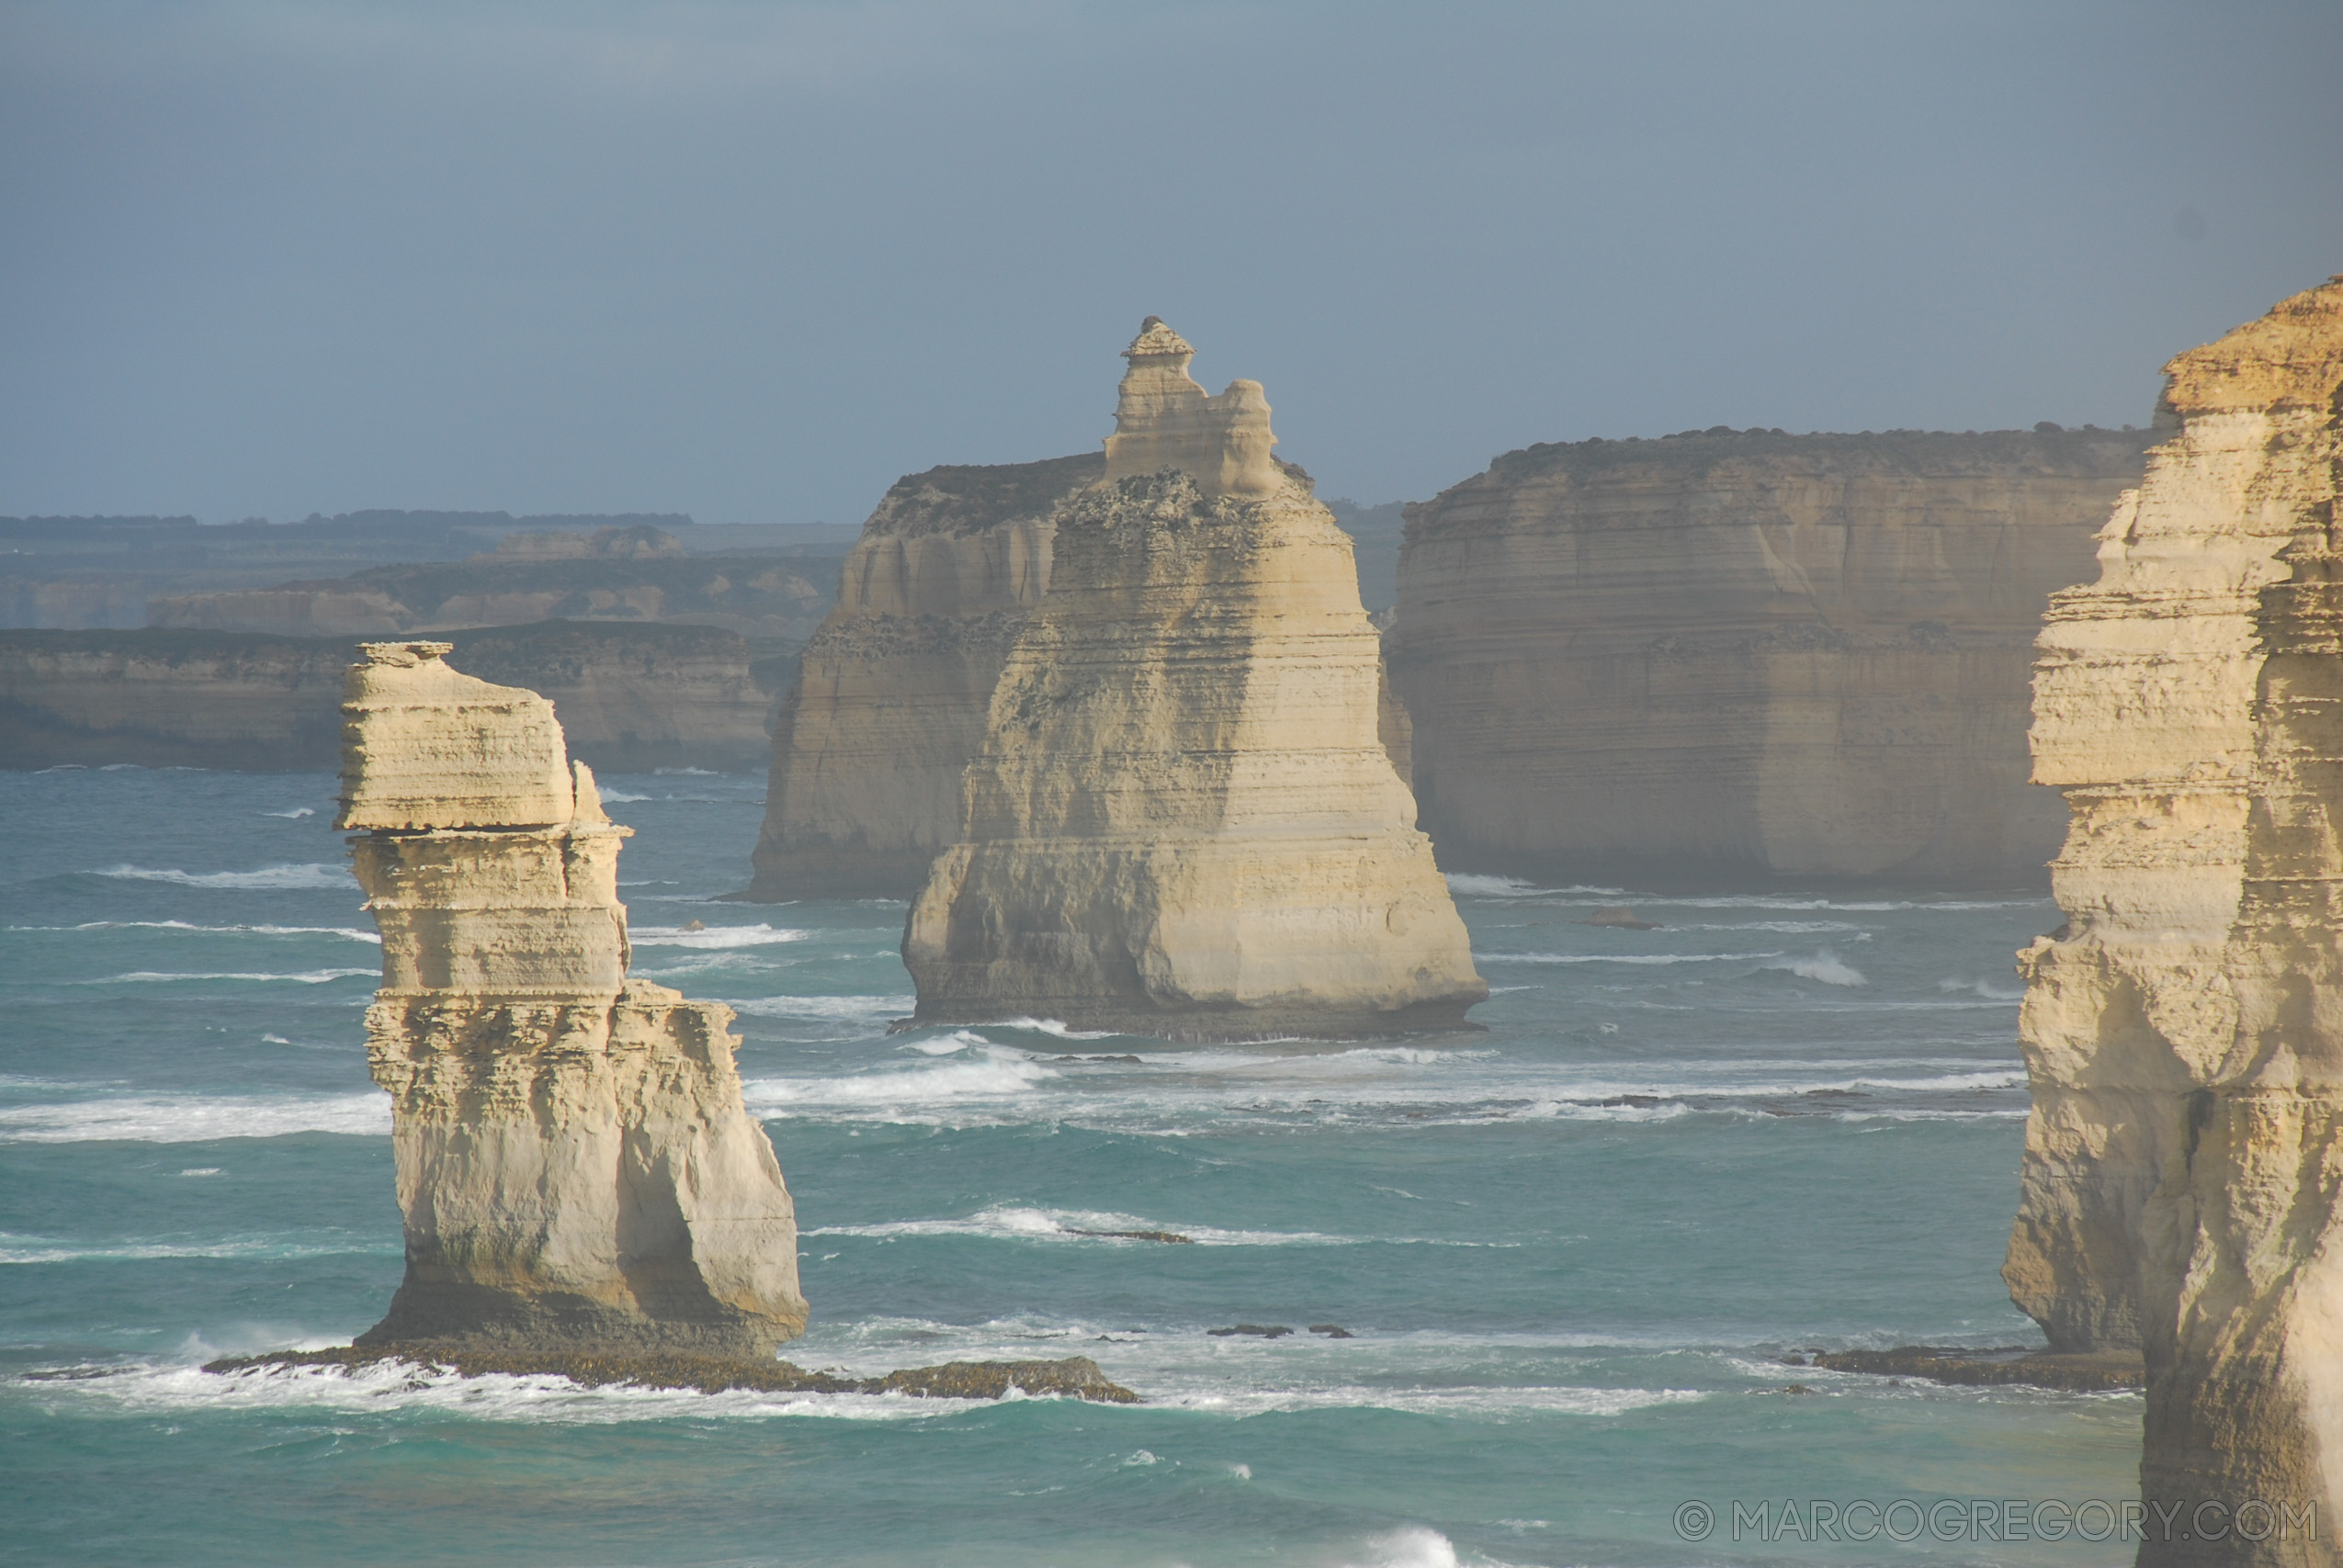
(2088, 1374)
(1078, 1376)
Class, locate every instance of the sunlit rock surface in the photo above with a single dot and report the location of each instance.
(574, 1164)
(1182, 819)
(1744, 654)
(890, 706)
(2184, 1032)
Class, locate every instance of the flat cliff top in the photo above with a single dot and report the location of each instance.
(2291, 357)
(1751, 457)
(172, 645)
(960, 499)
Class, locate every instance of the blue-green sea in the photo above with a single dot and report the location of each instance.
(1570, 1251)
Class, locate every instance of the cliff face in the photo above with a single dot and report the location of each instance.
(632, 698)
(2183, 1033)
(615, 575)
(1745, 654)
(1182, 819)
(869, 748)
(575, 1165)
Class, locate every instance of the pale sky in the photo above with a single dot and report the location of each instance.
(753, 260)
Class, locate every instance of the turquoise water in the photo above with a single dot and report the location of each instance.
(1571, 1250)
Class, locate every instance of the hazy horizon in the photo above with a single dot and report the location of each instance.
(753, 261)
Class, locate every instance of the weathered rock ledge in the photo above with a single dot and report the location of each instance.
(1076, 1375)
(2085, 1373)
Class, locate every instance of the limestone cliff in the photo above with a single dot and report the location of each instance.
(1745, 654)
(574, 1164)
(637, 575)
(1182, 819)
(868, 748)
(632, 697)
(2181, 1032)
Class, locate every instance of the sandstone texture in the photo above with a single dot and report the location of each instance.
(631, 698)
(1745, 655)
(1181, 820)
(2184, 1032)
(574, 1164)
(869, 746)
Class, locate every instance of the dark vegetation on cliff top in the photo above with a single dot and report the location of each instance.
(2045, 448)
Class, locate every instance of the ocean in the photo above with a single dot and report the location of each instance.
(1569, 1252)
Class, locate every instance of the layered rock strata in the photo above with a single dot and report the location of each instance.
(632, 698)
(1745, 655)
(636, 575)
(889, 704)
(2184, 1032)
(1181, 820)
(575, 1165)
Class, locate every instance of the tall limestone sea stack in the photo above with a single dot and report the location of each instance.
(892, 690)
(574, 1164)
(2184, 1032)
(1181, 820)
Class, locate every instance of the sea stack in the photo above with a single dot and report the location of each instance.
(1181, 820)
(891, 693)
(575, 1165)
(2184, 1031)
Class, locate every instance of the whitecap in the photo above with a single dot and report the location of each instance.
(1013, 1222)
(348, 933)
(1957, 986)
(268, 878)
(856, 1009)
(998, 1073)
(618, 797)
(297, 812)
(188, 1119)
(759, 935)
(407, 1385)
(300, 978)
(1619, 957)
(1825, 967)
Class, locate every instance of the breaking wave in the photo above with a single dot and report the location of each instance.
(313, 877)
(193, 1119)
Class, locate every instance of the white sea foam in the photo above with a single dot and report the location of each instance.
(855, 1008)
(1620, 957)
(187, 1118)
(998, 1072)
(618, 797)
(1466, 884)
(1410, 1546)
(684, 773)
(1009, 1222)
(1981, 988)
(295, 813)
(759, 935)
(1825, 967)
(35, 1249)
(1467, 1401)
(400, 1385)
(299, 977)
(314, 876)
(348, 933)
